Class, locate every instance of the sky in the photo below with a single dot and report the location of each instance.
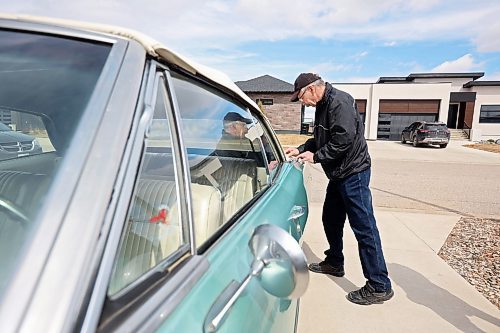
(342, 40)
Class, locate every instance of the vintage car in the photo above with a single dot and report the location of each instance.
(143, 212)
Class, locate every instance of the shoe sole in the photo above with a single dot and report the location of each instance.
(337, 274)
(367, 302)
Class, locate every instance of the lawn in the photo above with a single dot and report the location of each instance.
(293, 140)
(494, 148)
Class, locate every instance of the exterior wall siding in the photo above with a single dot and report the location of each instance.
(484, 96)
(424, 96)
(283, 114)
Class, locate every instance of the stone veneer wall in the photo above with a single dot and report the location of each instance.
(283, 114)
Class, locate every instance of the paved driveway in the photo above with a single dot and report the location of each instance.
(456, 179)
(419, 195)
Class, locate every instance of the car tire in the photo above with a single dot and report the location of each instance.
(415, 142)
(443, 145)
(403, 139)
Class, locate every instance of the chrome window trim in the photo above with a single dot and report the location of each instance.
(23, 283)
(138, 144)
(181, 159)
(180, 283)
(117, 212)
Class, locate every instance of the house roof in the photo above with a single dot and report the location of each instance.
(473, 75)
(482, 84)
(413, 76)
(265, 83)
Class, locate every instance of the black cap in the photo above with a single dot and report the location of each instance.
(234, 116)
(303, 80)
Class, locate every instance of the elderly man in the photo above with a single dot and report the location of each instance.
(339, 146)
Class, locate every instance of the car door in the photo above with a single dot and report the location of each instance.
(256, 188)
(413, 129)
(189, 217)
(406, 132)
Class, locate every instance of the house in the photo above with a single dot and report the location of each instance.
(273, 96)
(460, 100)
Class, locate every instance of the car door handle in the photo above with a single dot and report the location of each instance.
(223, 304)
(296, 212)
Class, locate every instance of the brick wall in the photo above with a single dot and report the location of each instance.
(283, 114)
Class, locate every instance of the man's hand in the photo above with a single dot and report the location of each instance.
(291, 152)
(306, 156)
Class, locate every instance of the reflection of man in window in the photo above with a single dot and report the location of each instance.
(234, 131)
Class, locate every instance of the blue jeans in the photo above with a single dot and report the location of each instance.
(351, 197)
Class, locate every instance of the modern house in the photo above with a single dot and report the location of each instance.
(458, 99)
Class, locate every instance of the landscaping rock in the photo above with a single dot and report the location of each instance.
(473, 250)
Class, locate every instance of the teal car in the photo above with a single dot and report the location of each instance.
(160, 200)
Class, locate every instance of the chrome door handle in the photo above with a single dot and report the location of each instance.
(296, 212)
(222, 306)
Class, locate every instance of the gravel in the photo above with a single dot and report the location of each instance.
(473, 250)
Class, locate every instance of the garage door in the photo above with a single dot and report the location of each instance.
(361, 105)
(394, 115)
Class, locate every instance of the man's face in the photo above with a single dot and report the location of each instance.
(238, 129)
(307, 96)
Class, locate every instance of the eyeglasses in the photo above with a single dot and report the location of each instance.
(302, 95)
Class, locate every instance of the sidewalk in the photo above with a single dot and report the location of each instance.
(429, 295)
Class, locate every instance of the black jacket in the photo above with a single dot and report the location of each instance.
(338, 143)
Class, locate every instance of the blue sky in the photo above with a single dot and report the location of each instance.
(342, 40)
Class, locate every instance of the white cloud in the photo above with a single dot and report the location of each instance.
(210, 32)
(230, 22)
(465, 63)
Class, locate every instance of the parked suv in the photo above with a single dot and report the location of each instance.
(435, 133)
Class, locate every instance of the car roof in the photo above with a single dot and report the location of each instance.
(151, 46)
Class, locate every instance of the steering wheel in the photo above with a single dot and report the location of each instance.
(13, 209)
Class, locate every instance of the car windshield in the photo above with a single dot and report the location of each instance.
(46, 83)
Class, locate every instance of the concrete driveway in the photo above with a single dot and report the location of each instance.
(419, 195)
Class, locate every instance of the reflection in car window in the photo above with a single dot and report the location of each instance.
(227, 163)
(46, 83)
(153, 230)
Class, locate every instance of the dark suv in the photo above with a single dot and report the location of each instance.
(435, 133)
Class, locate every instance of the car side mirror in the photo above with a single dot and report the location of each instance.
(279, 265)
(282, 265)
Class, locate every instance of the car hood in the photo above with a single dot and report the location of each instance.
(6, 137)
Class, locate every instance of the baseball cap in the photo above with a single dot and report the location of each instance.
(234, 116)
(304, 79)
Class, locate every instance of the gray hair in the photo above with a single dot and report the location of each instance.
(318, 82)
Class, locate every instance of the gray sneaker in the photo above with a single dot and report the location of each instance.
(325, 268)
(367, 295)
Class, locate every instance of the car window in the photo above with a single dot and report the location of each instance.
(435, 127)
(46, 83)
(228, 165)
(153, 231)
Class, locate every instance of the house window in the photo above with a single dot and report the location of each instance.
(490, 114)
(265, 101)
